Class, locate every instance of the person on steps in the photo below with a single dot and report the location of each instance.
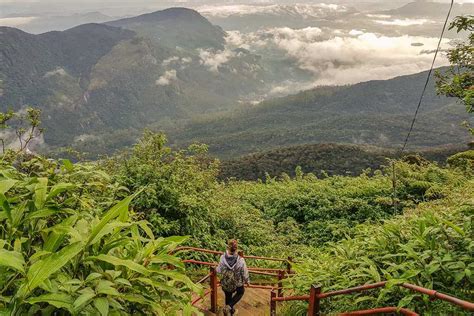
(234, 275)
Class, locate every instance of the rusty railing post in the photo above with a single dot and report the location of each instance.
(314, 308)
(273, 307)
(281, 276)
(213, 284)
(288, 265)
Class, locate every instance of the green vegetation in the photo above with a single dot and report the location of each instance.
(69, 245)
(320, 159)
(371, 113)
(431, 246)
(95, 237)
(459, 80)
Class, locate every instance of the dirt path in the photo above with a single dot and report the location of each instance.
(256, 302)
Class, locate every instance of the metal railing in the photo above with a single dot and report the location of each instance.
(315, 297)
(315, 294)
(279, 274)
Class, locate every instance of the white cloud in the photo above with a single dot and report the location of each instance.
(56, 72)
(170, 60)
(356, 32)
(166, 78)
(379, 16)
(344, 58)
(403, 22)
(214, 59)
(16, 22)
(303, 10)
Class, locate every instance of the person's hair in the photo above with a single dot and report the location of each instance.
(232, 246)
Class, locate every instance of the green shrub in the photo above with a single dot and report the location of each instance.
(62, 252)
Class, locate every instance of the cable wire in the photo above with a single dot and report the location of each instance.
(427, 81)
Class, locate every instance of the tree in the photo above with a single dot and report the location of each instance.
(458, 81)
(26, 125)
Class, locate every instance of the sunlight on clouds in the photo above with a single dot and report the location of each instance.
(15, 22)
(214, 59)
(404, 22)
(342, 57)
(304, 10)
(166, 78)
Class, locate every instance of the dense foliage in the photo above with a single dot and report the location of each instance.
(459, 80)
(431, 246)
(319, 159)
(370, 113)
(70, 245)
(95, 237)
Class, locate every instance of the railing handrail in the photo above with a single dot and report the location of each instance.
(315, 293)
(316, 296)
(217, 252)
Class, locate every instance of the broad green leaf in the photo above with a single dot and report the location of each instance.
(59, 188)
(144, 225)
(106, 287)
(6, 185)
(114, 212)
(93, 276)
(102, 305)
(179, 277)
(5, 311)
(122, 281)
(58, 300)
(168, 259)
(109, 229)
(12, 259)
(41, 213)
(162, 286)
(122, 262)
(453, 226)
(45, 267)
(58, 234)
(405, 301)
(17, 213)
(68, 165)
(86, 295)
(40, 192)
(6, 207)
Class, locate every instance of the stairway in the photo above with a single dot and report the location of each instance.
(256, 302)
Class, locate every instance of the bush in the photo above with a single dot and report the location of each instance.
(61, 253)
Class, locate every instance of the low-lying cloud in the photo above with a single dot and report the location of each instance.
(17, 21)
(303, 10)
(166, 79)
(336, 57)
(214, 59)
(403, 22)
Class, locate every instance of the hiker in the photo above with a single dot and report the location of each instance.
(234, 275)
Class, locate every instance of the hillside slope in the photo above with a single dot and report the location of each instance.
(332, 159)
(103, 83)
(374, 113)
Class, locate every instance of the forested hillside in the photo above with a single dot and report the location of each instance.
(373, 113)
(102, 84)
(343, 185)
(105, 229)
(99, 85)
(321, 159)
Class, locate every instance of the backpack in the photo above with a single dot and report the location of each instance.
(229, 280)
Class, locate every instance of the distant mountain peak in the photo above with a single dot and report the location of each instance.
(177, 13)
(175, 27)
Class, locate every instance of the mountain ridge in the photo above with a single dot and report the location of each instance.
(376, 112)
